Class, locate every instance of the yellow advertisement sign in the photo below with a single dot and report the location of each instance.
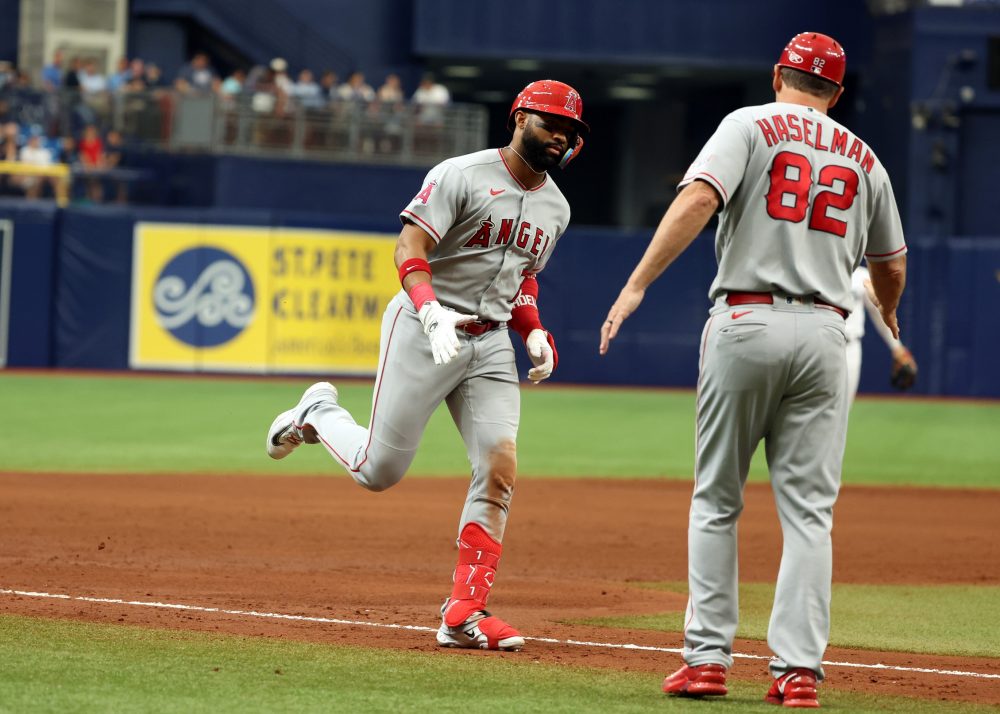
(259, 299)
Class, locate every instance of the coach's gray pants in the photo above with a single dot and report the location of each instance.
(776, 373)
(481, 389)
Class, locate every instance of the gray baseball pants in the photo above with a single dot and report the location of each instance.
(775, 373)
(481, 389)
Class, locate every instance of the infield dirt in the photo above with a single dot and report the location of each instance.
(574, 549)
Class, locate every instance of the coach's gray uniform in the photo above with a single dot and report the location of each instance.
(803, 200)
(489, 230)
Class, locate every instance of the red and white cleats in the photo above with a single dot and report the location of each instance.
(796, 689)
(284, 436)
(480, 631)
(704, 680)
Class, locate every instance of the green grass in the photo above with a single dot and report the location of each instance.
(56, 666)
(934, 619)
(95, 423)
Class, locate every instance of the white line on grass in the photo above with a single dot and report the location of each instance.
(420, 628)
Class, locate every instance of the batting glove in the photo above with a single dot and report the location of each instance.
(540, 353)
(439, 326)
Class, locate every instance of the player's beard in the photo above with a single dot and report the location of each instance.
(535, 151)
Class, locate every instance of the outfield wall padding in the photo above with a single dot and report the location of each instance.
(71, 298)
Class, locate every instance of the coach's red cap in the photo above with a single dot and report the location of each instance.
(817, 54)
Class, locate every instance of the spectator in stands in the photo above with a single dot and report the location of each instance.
(71, 77)
(9, 141)
(282, 82)
(9, 146)
(307, 91)
(328, 84)
(36, 154)
(154, 76)
(118, 79)
(355, 89)
(136, 83)
(67, 150)
(265, 93)
(232, 86)
(52, 73)
(113, 145)
(431, 96)
(91, 150)
(136, 70)
(196, 75)
(91, 79)
(391, 91)
(389, 109)
(8, 75)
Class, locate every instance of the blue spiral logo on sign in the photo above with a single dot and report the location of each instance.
(204, 297)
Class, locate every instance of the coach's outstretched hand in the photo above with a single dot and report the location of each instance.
(439, 326)
(627, 302)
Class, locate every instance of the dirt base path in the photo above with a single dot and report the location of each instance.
(323, 547)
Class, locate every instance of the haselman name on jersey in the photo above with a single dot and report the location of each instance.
(526, 234)
(790, 127)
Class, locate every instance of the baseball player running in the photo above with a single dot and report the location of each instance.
(802, 199)
(904, 367)
(473, 239)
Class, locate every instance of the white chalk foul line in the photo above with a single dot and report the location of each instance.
(421, 628)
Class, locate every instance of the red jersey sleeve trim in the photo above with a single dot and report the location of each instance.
(423, 224)
(709, 178)
(885, 255)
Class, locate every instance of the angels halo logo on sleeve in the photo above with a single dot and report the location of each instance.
(204, 297)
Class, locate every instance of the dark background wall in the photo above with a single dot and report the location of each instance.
(10, 11)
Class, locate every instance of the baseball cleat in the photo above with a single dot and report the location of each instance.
(481, 631)
(796, 689)
(704, 680)
(284, 436)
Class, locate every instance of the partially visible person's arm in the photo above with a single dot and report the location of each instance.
(888, 278)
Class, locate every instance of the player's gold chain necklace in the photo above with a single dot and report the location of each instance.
(530, 167)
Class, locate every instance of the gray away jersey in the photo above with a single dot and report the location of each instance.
(489, 230)
(803, 200)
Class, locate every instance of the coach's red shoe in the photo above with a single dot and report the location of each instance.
(796, 688)
(705, 680)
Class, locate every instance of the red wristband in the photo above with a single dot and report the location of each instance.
(524, 316)
(413, 265)
(420, 294)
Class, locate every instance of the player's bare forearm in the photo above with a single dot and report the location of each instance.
(684, 220)
(413, 242)
(888, 279)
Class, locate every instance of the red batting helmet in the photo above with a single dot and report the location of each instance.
(816, 54)
(551, 97)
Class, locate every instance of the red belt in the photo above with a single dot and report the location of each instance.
(479, 327)
(768, 299)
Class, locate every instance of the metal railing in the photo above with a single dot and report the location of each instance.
(260, 124)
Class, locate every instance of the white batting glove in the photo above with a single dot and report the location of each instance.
(540, 353)
(439, 326)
